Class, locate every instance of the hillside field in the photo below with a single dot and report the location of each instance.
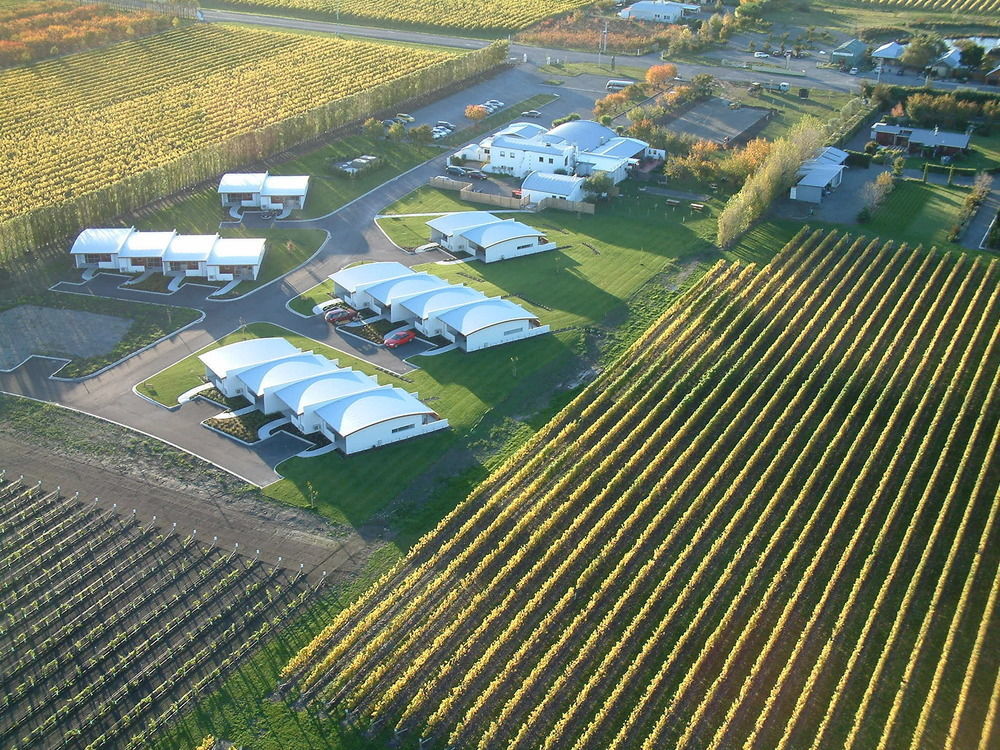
(771, 525)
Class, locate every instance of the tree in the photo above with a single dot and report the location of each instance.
(598, 185)
(476, 112)
(878, 190)
(373, 128)
(971, 53)
(421, 134)
(396, 131)
(661, 75)
(922, 50)
(742, 163)
(703, 84)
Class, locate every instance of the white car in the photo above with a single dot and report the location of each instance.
(495, 102)
(760, 54)
(854, 71)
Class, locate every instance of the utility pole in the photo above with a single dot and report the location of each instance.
(602, 45)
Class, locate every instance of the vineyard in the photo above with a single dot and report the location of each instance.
(112, 627)
(83, 141)
(483, 17)
(952, 6)
(773, 524)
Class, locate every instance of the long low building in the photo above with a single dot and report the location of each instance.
(457, 313)
(206, 256)
(351, 409)
(264, 191)
(487, 237)
(819, 176)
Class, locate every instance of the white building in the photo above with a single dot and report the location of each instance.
(350, 283)
(350, 408)
(490, 322)
(264, 191)
(225, 362)
(487, 237)
(205, 256)
(425, 310)
(889, 53)
(662, 11)
(540, 185)
(578, 147)
(387, 297)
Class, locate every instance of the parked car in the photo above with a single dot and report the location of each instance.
(340, 315)
(444, 124)
(388, 123)
(475, 174)
(438, 133)
(531, 113)
(398, 338)
(457, 171)
(516, 193)
(491, 108)
(853, 71)
(404, 117)
(495, 102)
(760, 54)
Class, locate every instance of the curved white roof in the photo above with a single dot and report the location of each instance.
(395, 290)
(146, 244)
(471, 318)
(231, 357)
(423, 305)
(284, 371)
(522, 130)
(285, 185)
(501, 231)
(356, 412)
(322, 389)
(460, 220)
(355, 277)
(548, 182)
(585, 134)
(101, 240)
(242, 182)
(247, 251)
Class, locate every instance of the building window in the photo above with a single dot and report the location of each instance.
(404, 428)
(550, 161)
(512, 331)
(525, 247)
(502, 154)
(96, 258)
(541, 158)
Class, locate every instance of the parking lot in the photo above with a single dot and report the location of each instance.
(713, 120)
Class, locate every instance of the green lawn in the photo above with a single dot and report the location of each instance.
(591, 68)
(497, 119)
(822, 103)
(985, 155)
(306, 301)
(426, 199)
(918, 213)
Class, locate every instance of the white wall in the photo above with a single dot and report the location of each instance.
(514, 248)
(382, 433)
(537, 195)
(502, 333)
(520, 163)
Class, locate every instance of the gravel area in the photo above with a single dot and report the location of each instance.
(31, 329)
(713, 120)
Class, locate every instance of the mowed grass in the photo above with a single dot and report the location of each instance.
(821, 103)
(305, 302)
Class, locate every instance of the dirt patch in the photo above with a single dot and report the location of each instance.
(98, 459)
(32, 329)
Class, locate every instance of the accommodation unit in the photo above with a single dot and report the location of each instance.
(948, 64)
(662, 11)
(850, 54)
(225, 362)
(264, 191)
(487, 237)
(350, 408)
(424, 310)
(387, 297)
(538, 186)
(200, 255)
(932, 143)
(889, 53)
(487, 323)
(350, 283)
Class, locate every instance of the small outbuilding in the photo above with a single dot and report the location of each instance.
(850, 54)
(538, 186)
(817, 181)
(889, 53)
(662, 11)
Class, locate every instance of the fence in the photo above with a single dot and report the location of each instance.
(466, 193)
(181, 9)
(491, 199)
(580, 207)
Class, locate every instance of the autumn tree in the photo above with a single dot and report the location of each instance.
(397, 131)
(373, 128)
(476, 112)
(743, 162)
(922, 50)
(661, 75)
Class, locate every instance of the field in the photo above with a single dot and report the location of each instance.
(112, 627)
(495, 16)
(772, 525)
(951, 6)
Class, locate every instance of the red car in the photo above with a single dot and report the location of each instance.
(340, 315)
(399, 338)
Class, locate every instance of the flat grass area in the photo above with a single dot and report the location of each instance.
(497, 119)
(822, 103)
(918, 212)
(306, 301)
(427, 199)
(591, 68)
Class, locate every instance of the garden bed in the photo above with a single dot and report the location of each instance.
(218, 397)
(244, 427)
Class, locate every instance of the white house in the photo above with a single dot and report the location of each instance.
(350, 283)
(264, 191)
(540, 185)
(424, 310)
(487, 237)
(350, 408)
(300, 400)
(662, 11)
(372, 418)
(487, 323)
(387, 297)
(259, 384)
(578, 147)
(198, 255)
(224, 362)
(889, 53)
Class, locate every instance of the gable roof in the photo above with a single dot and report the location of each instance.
(850, 48)
(357, 411)
(242, 182)
(323, 388)
(102, 240)
(890, 51)
(548, 182)
(226, 359)
(471, 318)
(355, 277)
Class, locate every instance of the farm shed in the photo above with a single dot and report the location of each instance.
(376, 417)
(350, 283)
(487, 237)
(264, 191)
(662, 11)
(259, 384)
(849, 54)
(490, 322)
(99, 247)
(300, 400)
(540, 185)
(223, 363)
(817, 181)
